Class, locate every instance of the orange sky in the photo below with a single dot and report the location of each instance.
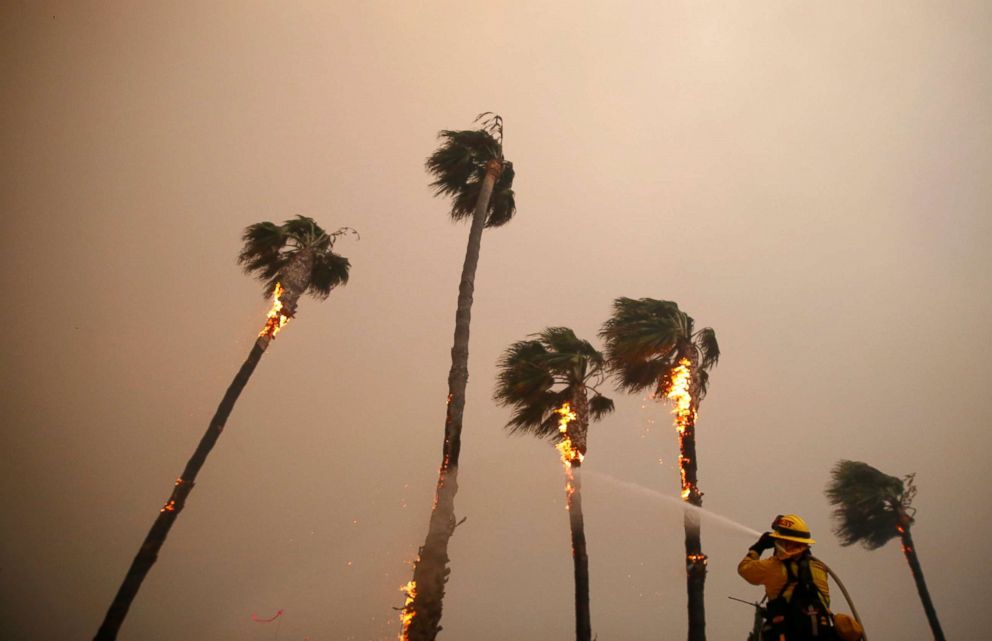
(809, 179)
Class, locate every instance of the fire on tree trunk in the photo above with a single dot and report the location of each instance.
(684, 394)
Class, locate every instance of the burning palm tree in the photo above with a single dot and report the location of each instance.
(292, 259)
(872, 508)
(468, 166)
(652, 344)
(548, 381)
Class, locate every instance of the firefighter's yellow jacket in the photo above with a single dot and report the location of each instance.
(772, 574)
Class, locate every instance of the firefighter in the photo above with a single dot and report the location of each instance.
(795, 583)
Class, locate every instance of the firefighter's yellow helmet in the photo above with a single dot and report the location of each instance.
(791, 527)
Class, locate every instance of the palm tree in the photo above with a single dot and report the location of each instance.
(652, 344)
(872, 508)
(548, 380)
(292, 259)
(468, 166)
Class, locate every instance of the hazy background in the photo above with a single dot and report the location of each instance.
(810, 179)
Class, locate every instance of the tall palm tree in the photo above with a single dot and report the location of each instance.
(548, 381)
(872, 508)
(470, 168)
(651, 344)
(292, 259)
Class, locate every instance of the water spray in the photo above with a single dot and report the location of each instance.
(687, 507)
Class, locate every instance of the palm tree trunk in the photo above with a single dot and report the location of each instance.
(695, 563)
(148, 553)
(695, 560)
(430, 571)
(921, 585)
(580, 558)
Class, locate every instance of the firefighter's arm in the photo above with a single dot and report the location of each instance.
(757, 571)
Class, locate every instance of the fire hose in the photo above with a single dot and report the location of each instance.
(847, 596)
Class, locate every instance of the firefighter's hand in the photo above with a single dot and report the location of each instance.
(766, 542)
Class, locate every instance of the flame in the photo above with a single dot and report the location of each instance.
(679, 393)
(569, 454)
(685, 415)
(276, 319)
(406, 614)
(686, 488)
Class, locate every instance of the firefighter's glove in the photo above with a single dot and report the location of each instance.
(766, 542)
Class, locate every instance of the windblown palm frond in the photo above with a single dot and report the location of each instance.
(537, 376)
(263, 243)
(870, 505)
(538, 416)
(269, 249)
(641, 329)
(600, 406)
(709, 349)
(329, 272)
(872, 508)
(459, 168)
(645, 340)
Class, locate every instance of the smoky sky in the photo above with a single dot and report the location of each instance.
(810, 180)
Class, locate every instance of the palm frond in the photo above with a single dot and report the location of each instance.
(461, 157)
(637, 375)
(869, 504)
(459, 165)
(709, 349)
(344, 231)
(521, 378)
(538, 416)
(503, 204)
(600, 406)
(642, 339)
(536, 376)
(262, 243)
(641, 329)
(492, 123)
(329, 271)
(269, 248)
(646, 338)
(305, 231)
(463, 202)
(560, 339)
(262, 253)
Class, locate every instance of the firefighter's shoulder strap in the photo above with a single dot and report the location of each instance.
(803, 613)
(800, 577)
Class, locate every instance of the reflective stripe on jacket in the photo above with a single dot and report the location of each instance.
(772, 574)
